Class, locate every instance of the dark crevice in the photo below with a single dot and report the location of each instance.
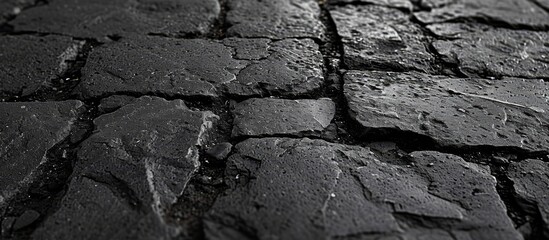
(219, 28)
(60, 87)
(49, 186)
(332, 51)
(531, 226)
(198, 197)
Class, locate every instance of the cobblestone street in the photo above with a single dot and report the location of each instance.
(274, 119)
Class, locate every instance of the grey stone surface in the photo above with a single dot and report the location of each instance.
(456, 30)
(403, 4)
(455, 112)
(47, 55)
(100, 19)
(380, 38)
(310, 189)
(530, 180)
(205, 68)
(495, 52)
(153, 65)
(112, 103)
(27, 131)
(274, 19)
(269, 116)
(516, 13)
(291, 67)
(130, 171)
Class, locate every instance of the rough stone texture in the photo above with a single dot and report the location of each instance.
(268, 117)
(100, 19)
(289, 67)
(311, 189)
(403, 4)
(495, 52)
(113, 103)
(27, 131)
(531, 178)
(135, 165)
(455, 112)
(515, 13)
(203, 68)
(379, 38)
(154, 65)
(274, 19)
(48, 56)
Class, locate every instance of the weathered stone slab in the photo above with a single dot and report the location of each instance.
(403, 4)
(379, 38)
(153, 65)
(30, 62)
(113, 103)
(100, 19)
(495, 52)
(274, 19)
(515, 13)
(531, 178)
(289, 67)
(130, 171)
(27, 131)
(454, 112)
(205, 68)
(310, 189)
(269, 116)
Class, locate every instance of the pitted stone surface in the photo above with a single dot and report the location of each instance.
(310, 189)
(154, 65)
(274, 19)
(206, 68)
(495, 52)
(269, 116)
(288, 67)
(403, 4)
(530, 180)
(27, 131)
(30, 62)
(379, 38)
(516, 13)
(104, 18)
(130, 171)
(455, 112)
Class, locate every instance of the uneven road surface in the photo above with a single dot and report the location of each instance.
(274, 119)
